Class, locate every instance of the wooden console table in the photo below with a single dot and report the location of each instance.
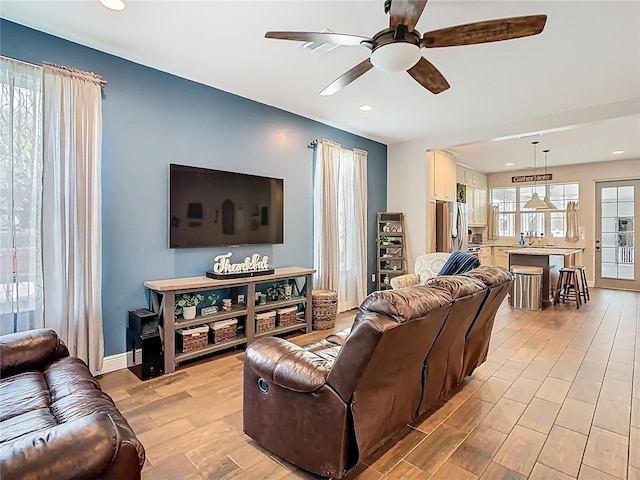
(163, 294)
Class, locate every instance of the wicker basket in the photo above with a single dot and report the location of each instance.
(286, 316)
(224, 331)
(325, 309)
(190, 339)
(265, 321)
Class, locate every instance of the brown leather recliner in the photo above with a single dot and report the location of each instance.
(55, 421)
(325, 406)
(499, 282)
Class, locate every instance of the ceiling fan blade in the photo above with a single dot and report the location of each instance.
(357, 71)
(485, 32)
(321, 37)
(406, 12)
(428, 76)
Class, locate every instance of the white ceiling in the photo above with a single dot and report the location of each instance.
(588, 56)
(586, 143)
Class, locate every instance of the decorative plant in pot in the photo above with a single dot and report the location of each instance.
(275, 291)
(384, 240)
(186, 304)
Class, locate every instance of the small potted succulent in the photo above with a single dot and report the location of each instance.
(275, 291)
(186, 304)
(384, 240)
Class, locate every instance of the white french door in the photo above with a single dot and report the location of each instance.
(616, 248)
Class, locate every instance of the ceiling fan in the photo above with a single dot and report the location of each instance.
(398, 48)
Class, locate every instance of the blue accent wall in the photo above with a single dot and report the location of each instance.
(151, 119)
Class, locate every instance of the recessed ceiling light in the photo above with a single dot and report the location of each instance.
(116, 5)
(510, 164)
(618, 152)
(366, 108)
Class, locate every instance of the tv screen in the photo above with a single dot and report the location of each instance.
(212, 208)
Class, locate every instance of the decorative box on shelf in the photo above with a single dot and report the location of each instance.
(224, 331)
(265, 321)
(192, 338)
(206, 311)
(286, 316)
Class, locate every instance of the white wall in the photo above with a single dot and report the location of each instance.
(586, 175)
(407, 192)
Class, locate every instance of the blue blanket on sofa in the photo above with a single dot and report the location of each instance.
(459, 262)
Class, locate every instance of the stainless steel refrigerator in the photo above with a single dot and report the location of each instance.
(451, 226)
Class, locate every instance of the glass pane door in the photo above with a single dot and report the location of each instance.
(616, 255)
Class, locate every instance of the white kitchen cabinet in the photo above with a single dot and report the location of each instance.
(461, 176)
(477, 201)
(486, 256)
(501, 257)
(480, 180)
(471, 178)
(442, 176)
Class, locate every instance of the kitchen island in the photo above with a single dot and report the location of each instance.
(550, 259)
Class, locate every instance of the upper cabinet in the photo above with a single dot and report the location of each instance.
(471, 177)
(477, 202)
(476, 186)
(442, 176)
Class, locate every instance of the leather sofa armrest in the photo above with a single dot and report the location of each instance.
(30, 350)
(287, 365)
(80, 449)
(403, 281)
(339, 337)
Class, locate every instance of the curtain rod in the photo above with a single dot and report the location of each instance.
(89, 76)
(315, 142)
(101, 81)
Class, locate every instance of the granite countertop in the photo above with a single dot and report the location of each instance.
(544, 251)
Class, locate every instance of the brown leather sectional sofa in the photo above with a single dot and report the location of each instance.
(325, 406)
(55, 421)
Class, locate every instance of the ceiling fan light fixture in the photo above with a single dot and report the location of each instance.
(396, 57)
(116, 5)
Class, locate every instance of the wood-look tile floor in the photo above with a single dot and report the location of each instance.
(557, 398)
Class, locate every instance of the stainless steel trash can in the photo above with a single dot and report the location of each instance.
(527, 287)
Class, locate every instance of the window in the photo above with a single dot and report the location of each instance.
(560, 195)
(20, 196)
(340, 219)
(505, 199)
(514, 218)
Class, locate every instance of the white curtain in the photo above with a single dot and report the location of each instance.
(493, 220)
(71, 213)
(21, 305)
(353, 229)
(572, 234)
(326, 257)
(340, 223)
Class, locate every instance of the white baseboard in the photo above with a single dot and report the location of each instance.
(116, 362)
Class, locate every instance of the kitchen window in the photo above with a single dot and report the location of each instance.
(505, 199)
(514, 218)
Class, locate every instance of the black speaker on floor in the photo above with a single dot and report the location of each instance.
(145, 357)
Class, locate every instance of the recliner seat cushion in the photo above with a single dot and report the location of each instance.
(23, 393)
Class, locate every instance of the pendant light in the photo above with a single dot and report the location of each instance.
(535, 201)
(548, 205)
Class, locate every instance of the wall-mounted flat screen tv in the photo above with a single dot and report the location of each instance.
(213, 208)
